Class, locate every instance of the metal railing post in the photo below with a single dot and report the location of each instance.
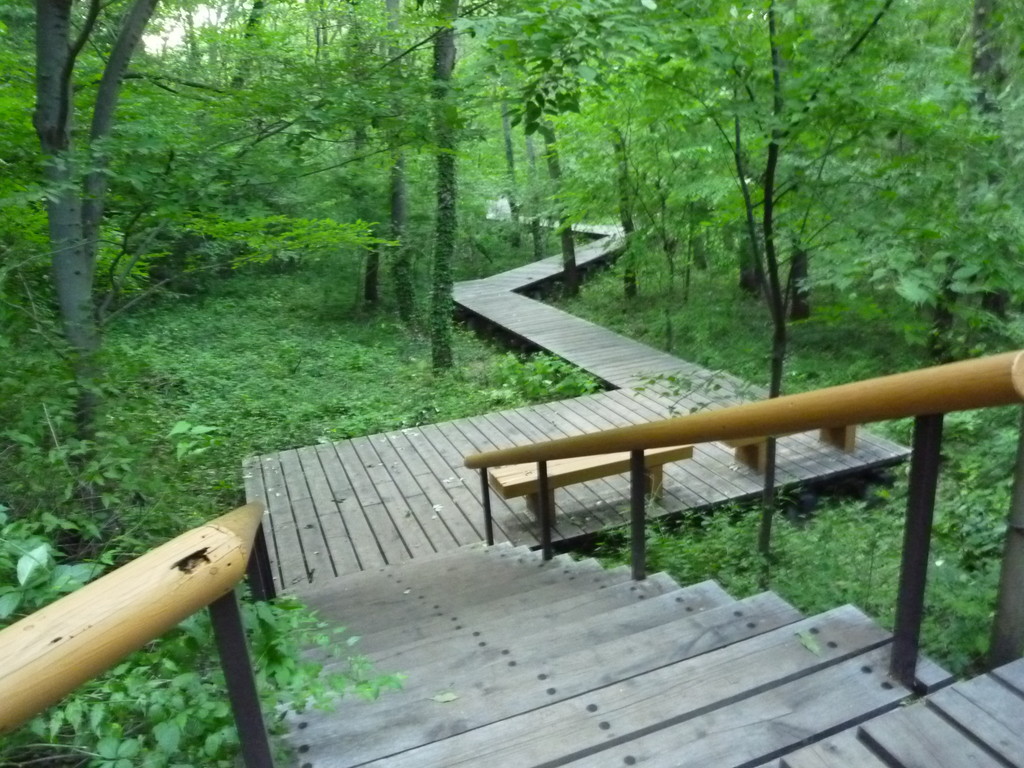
(544, 504)
(1007, 641)
(241, 682)
(485, 493)
(924, 476)
(638, 514)
(258, 571)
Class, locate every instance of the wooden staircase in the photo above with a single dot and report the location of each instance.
(514, 661)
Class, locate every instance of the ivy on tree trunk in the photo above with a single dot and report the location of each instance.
(445, 119)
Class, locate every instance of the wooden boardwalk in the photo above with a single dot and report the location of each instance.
(339, 508)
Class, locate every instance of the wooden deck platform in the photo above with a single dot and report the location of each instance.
(339, 508)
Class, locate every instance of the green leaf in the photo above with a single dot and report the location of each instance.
(168, 736)
(107, 748)
(9, 603)
(810, 642)
(649, 5)
(445, 698)
(28, 563)
(180, 428)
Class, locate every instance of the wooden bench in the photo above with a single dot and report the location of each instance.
(516, 480)
(753, 451)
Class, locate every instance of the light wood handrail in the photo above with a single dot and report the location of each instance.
(983, 383)
(48, 654)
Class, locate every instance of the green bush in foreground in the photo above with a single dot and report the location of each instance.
(166, 705)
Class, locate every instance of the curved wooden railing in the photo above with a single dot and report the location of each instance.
(927, 395)
(48, 654)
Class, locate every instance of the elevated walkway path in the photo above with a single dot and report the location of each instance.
(339, 508)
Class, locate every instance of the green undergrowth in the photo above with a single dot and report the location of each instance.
(844, 551)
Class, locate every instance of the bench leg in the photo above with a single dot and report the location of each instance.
(533, 504)
(843, 438)
(654, 479)
(754, 455)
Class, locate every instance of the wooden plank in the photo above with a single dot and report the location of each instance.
(445, 486)
(462, 510)
(667, 695)
(840, 751)
(360, 535)
(373, 502)
(417, 504)
(916, 737)
(336, 536)
(315, 549)
(989, 712)
(287, 541)
(417, 531)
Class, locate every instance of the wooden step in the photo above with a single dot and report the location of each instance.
(507, 620)
(565, 662)
(402, 601)
(973, 723)
(423, 566)
(580, 727)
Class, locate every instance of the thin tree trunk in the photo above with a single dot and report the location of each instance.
(445, 226)
(365, 208)
(800, 301)
(571, 278)
(536, 232)
(629, 286)
(512, 193)
(989, 78)
(775, 297)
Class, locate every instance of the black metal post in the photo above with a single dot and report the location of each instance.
(258, 571)
(638, 514)
(924, 476)
(485, 492)
(544, 504)
(245, 702)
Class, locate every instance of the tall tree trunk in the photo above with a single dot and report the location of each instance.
(252, 27)
(571, 277)
(774, 293)
(512, 192)
(536, 231)
(74, 213)
(629, 286)
(445, 227)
